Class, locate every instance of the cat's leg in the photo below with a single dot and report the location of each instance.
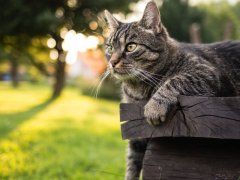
(198, 82)
(136, 151)
(158, 107)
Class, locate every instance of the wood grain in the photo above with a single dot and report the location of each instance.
(192, 158)
(201, 141)
(206, 117)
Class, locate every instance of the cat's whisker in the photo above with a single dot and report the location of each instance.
(104, 76)
(131, 75)
(146, 79)
(96, 83)
(150, 73)
(153, 80)
(138, 75)
(156, 80)
(150, 81)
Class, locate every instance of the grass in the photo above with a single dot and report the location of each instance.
(73, 137)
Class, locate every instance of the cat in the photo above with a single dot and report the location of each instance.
(155, 68)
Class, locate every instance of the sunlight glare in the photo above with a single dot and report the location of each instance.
(51, 43)
(92, 42)
(77, 42)
(63, 32)
(93, 25)
(71, 57)
(72, 3)
(59, 12)
(80, 40)
(53, 54)
(69, 39)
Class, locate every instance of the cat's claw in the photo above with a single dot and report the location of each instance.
(156, 122)
(153, 122)
(163, 118)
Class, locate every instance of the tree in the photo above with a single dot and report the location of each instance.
(178, 16)
(32, 18)
(220, 22)
(215, 24)
(12, 48)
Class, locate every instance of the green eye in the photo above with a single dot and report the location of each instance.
(109, 49)
(131, 47)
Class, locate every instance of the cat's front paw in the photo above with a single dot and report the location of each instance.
(155, 113)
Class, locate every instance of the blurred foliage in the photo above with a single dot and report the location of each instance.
(23, 20)
(212, 18)
(177, 16)
(216, 19)
(39, 18)
(109, 89)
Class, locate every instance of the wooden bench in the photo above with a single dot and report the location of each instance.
(200, 141)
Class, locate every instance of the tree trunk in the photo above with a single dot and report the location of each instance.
(59, 67)
(195, 36)
(59, 75)
(14, 72)
(227, 31)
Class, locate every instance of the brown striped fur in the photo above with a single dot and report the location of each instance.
(160, 69)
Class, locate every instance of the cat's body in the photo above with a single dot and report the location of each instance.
(227, 67)
(222, 57)
(156, 69)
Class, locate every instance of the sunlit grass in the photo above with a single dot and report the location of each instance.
(73, 137)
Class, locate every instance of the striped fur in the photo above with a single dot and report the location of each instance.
(160, 69)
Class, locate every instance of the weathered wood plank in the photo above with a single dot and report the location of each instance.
(134, 113)
(207, 117)
(192, 158)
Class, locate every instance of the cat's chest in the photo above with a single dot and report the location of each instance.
(135, 93)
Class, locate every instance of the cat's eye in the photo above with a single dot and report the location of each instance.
(131, 47)
(109, 49)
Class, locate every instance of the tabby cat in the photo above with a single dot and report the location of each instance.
(156, 69)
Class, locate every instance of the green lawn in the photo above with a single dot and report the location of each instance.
(73, 137)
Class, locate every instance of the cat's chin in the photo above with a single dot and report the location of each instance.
(122, 77)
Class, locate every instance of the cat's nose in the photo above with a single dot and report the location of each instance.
(114, 62)
(114, 59)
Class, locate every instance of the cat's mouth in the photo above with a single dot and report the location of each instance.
(120, 71)
(120, 74)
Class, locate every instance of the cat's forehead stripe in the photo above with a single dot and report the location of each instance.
(121, 31)
(130, 37)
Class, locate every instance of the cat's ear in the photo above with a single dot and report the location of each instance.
(112, 22)
(151, 18)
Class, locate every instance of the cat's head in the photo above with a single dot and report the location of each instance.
(136, 47)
